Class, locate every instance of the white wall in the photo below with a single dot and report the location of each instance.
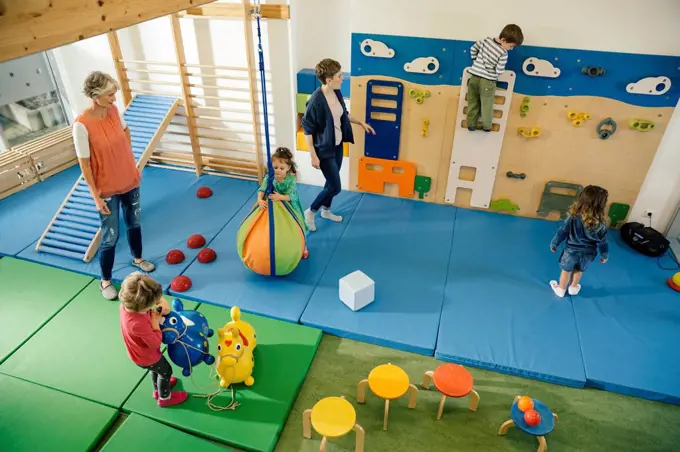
(320, 29)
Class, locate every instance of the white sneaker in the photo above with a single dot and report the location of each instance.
(557, 289)
(328, 215)
(309, 220)
(574, 290)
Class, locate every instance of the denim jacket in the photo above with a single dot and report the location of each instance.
(579, 238)
(318, 122)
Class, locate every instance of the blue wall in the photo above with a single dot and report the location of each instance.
(454, 56)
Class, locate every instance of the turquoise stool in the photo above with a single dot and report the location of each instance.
(547, 424)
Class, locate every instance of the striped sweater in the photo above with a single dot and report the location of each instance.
(488, 59)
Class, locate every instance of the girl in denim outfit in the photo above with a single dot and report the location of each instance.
(585, 232)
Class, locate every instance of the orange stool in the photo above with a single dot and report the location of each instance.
(332, 417)
(388, 382)
(452, 380)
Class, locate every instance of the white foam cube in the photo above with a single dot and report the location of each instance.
(357, 290)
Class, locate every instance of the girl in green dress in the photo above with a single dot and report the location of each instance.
(285, 185)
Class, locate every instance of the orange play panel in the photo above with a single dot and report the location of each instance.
(375, 173)
(452, 380)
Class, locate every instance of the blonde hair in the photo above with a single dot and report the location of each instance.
(590, 206)
(139, 292)
(98, 83)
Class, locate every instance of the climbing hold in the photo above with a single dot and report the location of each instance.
(572, 115)
(606, 128)
(578, 118)
(503, 205)
(529, 133)
(593, 71)
(617, 213)
(584, 116)
(536, 67)
(426, 126)
(577, 122)
(174, 257)
(419, 96)
(512, 175)
(655, 86)
(560, 200)
(422, 185)
(204, 192)
(641, 125)
(180, 284)
(196, 241)
(206, 255)
(524, 107)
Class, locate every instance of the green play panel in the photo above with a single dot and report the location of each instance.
(81, 352)
(34, 418)
(30, 295)
(140, 433)
(282, 358)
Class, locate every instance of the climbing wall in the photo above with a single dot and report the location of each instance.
(475, 155)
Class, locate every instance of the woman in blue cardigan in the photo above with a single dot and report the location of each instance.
(326, 124)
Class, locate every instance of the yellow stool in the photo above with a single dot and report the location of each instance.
(332, 417)
(388, 382)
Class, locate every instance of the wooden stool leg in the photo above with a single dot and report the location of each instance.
(542, 445)
(474, 400)
(361, 391)
(412, 396)
(427, 379)
(505, 426)
(555, 416)
(361, 435)
(324, 440)
(441, 407)
(307, 424)
(387, 412)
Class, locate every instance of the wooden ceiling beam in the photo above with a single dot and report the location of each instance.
(235, 10)
(31, 26)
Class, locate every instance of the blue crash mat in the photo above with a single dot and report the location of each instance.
(227, 282)
(403, 246)
(171, 212)
(500, 312)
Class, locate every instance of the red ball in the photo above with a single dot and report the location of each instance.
(174, 257)
(532, 418)
(204, 192)
(180, 284)
(206, 255)
(196, 241)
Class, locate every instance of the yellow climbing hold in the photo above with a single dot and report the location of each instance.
(426, 125)
(641, 125)
(419, 96)
(578, 118)
(529, 133)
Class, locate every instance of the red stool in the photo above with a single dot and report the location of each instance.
(452, 380)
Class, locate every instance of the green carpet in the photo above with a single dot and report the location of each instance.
(589, 420)
(34, 418)
(81, 352)
(138, 433)
(283, 355)
(30, 295)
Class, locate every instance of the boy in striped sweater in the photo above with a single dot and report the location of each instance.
(489, 57)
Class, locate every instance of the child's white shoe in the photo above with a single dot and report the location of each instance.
(574, 290)
(309, 220)
(557, 289)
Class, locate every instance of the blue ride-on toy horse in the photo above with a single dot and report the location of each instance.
(186, 333)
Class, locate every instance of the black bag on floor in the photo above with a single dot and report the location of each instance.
(645, 240)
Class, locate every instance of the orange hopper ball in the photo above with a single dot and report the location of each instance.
(174, 257)
(180, 283)
(204, 192)
(525, 403)
(196, 241)
(532, 418)
(206, 255)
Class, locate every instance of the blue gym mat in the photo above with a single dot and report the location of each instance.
(404, 247)
(499, 311)
(227, 282)
(171, 212)
(629, 325)
(24, 215)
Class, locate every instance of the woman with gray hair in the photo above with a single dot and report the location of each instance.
(103, 146)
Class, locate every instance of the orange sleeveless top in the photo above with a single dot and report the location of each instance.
(111, 158)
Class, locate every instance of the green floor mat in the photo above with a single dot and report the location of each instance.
(30, 295)
(140, 433)
(81, 352)
(282, 358)
(34, 418)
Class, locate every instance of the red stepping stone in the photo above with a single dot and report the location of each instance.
(196, 241)
(180, 284)
(174, 257)
(206, 255)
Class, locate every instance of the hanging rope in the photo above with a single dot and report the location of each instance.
(263, 87)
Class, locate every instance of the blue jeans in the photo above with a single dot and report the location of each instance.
(111, 224)
(330, 167)
(572, 259)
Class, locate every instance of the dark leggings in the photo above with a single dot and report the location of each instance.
(130, 204)
(160, 375)
(330, 167)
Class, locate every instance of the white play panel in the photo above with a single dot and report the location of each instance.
(480, 150)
